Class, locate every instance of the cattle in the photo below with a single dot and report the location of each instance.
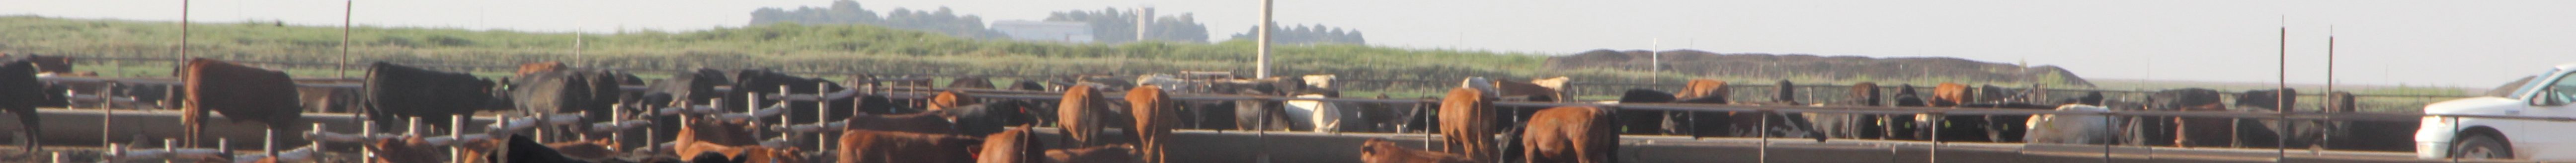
(712, 132)
(1153, 120)
(1950, 94)
(2167, 130)
(971, 82)
(409, 149)
(1013, 145)
(694, 87)
(600, 149)
(1988, 128)
(520, 148)
(47, 65)
(1749, 124)
(990, 117)
(2071, 129)
(1378, 150)
(765, 82)
(1317, 116)
(1082, 113)
(1096, 154)
(1467, 134)
(21, 93)
(926, 122)
(1571, 134)
(1258, 114)
(329, 99)
(1028, 85)
(1904, 126)
(1642, 122)
(748, 153)
(532, 68)
(949, 99)
(568, 90)
(241, 93)
(1842, 125)
(1700, 124)
(1376, 117)
(868, 146)
(2299, 133)
(395, 91)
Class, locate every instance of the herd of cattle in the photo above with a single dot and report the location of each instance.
(710, 115)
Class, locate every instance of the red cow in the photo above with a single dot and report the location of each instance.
(1377, 150)
(531, 68)
(1012, 145)
(1950, 94)
(1082, 113)
(950, 99)
(1571, 134)
(1461, 125)
(1100, 154)
(1154, 120)
(241, 93)
(865, 146)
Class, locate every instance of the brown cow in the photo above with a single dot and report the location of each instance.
(858, 146)
(924, 122)
(950, 99)
(1950, 94)
(531, 68)
(241, 93)
(1082, 113)
(1013, 145)
(1154, 120)
(1099, 154)
(716, 133)
(405, 150)
(1700, 91)
(1571, 134)
(1377, 150)
(1467, 135)
(1707, 90)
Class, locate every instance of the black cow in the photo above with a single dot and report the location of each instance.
(2267, 132)
(990, 117)
(1643, 122)
(394, 92)
(2163, 130)
(21, 93)
(1904, 126)
(766, 82)
(520, 148)
(567, 91)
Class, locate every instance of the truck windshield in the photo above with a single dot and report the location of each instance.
(2525, 87)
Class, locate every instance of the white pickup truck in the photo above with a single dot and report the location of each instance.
(2543, 95)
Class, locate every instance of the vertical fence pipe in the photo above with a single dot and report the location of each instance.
(1765, 131)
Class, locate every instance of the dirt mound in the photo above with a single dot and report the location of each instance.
(1941, 69)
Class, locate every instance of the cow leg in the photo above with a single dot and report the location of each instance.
(33, 134)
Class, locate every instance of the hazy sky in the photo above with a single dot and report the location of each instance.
(2463, 43)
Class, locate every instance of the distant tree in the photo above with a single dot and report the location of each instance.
(941, 21)
(1306, 34)
(1114, 25)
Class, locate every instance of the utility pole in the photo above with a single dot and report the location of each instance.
(346, 7)
(183, 41)
(1261, 65)
(1655, 66)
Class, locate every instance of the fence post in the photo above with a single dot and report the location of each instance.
(1765, 133)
